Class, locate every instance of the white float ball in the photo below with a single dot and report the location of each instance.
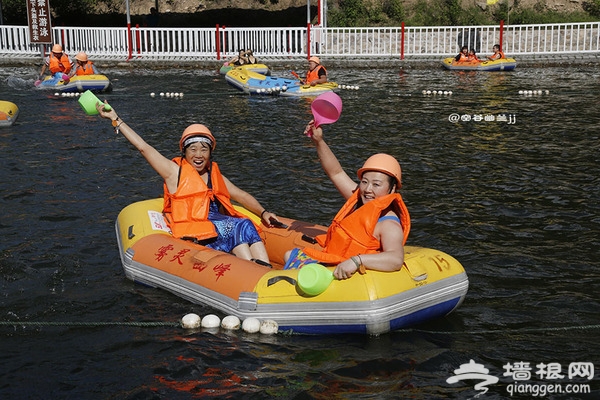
(424, 91)
(231, 322)
(547, 92)
(429, 92)
(251, 325)
(520, 92)
(190, 321)
(357, 87)
(211, 321)
(57, 94)
(181, 94)
(269, 327)
(152, 94)
(161, 94)
(450, 92)
(284, 88)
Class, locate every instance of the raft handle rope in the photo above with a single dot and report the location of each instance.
(309, 239)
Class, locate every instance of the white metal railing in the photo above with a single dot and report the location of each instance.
(271, 43)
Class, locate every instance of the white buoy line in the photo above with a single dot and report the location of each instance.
(167, 95)
(534, 92)
(69, 94)
(349, 87)
(230, 322)
(437, 92)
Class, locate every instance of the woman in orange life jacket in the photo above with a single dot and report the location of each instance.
(197, 197)
(463, 55)
(497, 53)
(370, 230)
(84, 66)
(56, 62)
(316, 72)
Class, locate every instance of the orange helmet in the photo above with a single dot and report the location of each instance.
(197, 130)
(81, 56)
(382, 163)
(57, 48)
(315, 59)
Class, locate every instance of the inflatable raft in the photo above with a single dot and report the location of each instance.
(430, 285)
(258, 68)
(254, 83)
(78, 83)
(504, 64)
(8, 113)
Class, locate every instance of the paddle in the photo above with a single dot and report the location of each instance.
(296, 75)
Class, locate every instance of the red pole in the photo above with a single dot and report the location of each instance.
(308, 40)
(218, 43)
(129, 44)
(138, 39)
(501, 33)
(402, 42)
(319, 13)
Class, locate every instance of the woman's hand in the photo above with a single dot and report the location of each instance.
(316, 134)
(345, 269)
(266, 218)
(106, 113)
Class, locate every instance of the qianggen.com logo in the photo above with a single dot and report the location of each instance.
(556, 380)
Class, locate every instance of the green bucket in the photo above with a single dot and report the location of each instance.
(88, 101)
(314, 279)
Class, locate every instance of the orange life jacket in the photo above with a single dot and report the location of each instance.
(463, 57)
(314, 74)
(62, 64)
(186, 210)
(500, 54)
(85, 69)
(351, 232)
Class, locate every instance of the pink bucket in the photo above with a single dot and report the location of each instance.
(326, 108)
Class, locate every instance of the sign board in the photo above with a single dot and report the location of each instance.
(38, 17)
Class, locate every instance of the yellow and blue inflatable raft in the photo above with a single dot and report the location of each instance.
(430, 285)
(8, 113)
(503, 64)
(254, 83)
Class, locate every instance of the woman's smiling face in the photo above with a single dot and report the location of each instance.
(374, 184)
(198, 155)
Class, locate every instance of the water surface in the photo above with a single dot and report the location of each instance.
(516, 203)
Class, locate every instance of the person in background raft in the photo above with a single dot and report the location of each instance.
(197, 197)
(463, 55)
(84, 66)
(56, 62)
(370, 230)
(497, 53)
(472, 56)
(250, 57)
(240, 59)
(316, 72)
